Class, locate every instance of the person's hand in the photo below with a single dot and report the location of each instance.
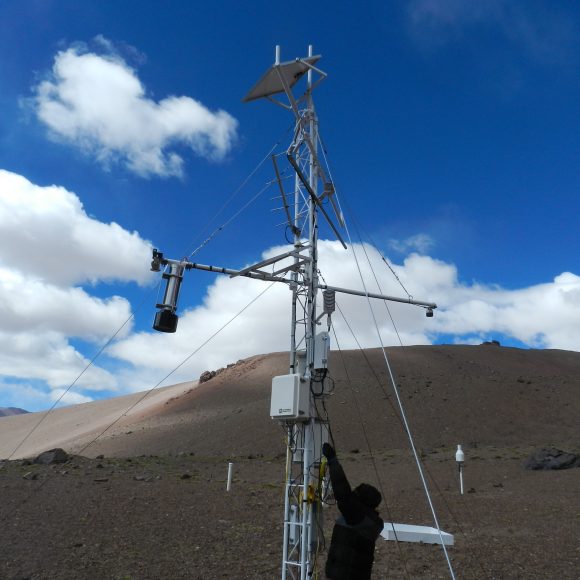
(328, 451)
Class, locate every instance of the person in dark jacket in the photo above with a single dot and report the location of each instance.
(352, 548)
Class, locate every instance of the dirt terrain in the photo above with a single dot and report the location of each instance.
(155, 505)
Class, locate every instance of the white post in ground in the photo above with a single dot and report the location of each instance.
(230, 473)
(460, 458)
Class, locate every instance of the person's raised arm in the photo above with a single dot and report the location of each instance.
(348, 504)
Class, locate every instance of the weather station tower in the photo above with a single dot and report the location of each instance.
(296, 397)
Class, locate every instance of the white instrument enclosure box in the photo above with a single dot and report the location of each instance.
(290, 398)
(321, 350)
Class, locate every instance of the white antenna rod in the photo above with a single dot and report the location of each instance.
(310, 54)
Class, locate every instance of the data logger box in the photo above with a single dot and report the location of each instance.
(290, 398)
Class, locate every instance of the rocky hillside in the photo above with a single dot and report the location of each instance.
(474, 395)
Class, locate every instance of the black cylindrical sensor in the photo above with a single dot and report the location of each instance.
(165, 321)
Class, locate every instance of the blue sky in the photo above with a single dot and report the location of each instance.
(452, 131)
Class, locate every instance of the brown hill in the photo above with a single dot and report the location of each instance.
(486, 395)
(452, 394)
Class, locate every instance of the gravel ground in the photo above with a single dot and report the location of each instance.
(170, 517)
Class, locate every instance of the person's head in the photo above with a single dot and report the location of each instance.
(368, 495)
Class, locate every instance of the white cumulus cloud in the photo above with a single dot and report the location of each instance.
(48, 246)
(98, 103)
(544, 315)
(31, 305)
(46, 231)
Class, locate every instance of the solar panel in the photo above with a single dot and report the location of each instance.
(271, 84)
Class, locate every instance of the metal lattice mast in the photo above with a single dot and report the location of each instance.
(298, 268)
(302, 459)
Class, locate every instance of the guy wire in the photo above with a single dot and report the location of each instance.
(155, 289)
(403, 415)
(88, 365)
(399, 401)
(373, 461)
(355, 221)
(148, 392)
(185, 360)
(238, 189)
(405, 355)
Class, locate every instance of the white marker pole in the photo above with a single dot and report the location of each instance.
(460, 458)
(230, 473)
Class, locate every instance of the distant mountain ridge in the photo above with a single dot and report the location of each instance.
(9, 411)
